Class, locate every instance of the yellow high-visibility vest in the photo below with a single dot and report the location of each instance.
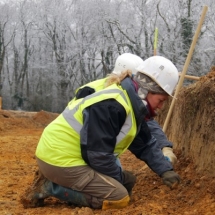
(59, 144)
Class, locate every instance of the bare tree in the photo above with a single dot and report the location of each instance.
(6, 36)
(49, 48)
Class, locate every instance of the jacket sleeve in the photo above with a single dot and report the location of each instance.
(145, 148)
(158, 133)
(102, 123)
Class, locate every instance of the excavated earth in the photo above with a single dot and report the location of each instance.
(191, 129)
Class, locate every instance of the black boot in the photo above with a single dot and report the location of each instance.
(43, 188)
(34, 195)
(68, 195)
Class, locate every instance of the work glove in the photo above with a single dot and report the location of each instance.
(169, 155)
(129, 180)
(170, 178)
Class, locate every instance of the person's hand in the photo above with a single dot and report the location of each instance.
(169, 155)
(170, 178)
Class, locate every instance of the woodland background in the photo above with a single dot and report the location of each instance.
(48, 48)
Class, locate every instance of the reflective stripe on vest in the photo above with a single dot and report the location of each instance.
(68, 114)
(100, 85)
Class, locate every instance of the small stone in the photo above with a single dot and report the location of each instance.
(197, 185)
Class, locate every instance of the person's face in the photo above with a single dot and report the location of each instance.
(156, 100)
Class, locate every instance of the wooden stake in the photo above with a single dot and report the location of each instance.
(155, 41)
(0, 103)
(205, 8)
(191, 77)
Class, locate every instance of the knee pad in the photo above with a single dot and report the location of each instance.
(116, 204)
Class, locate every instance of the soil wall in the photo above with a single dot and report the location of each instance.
(192, 124)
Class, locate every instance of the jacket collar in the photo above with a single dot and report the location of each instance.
(140, 110)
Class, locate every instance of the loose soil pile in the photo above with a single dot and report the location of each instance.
(191, 129)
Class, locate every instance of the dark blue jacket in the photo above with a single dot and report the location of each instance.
(99, 154)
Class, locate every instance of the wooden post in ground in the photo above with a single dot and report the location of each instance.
(205, 8)
(0, 103)
(155, 41)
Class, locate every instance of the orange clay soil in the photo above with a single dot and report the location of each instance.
(195, 195)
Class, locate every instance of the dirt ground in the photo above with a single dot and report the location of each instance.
(195, 195)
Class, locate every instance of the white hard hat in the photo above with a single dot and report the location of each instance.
(127, 61)
(162, 71)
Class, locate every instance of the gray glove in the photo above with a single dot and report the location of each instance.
(129, 180)
(170, 178)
